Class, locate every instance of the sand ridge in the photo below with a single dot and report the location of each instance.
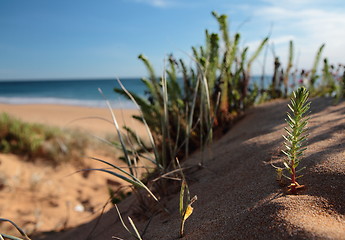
(238, 197)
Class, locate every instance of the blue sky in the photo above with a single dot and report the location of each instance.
(43, 39)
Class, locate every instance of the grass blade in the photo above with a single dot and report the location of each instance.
(118, 132)
(145, 123)
(134, 228)
(21, 231)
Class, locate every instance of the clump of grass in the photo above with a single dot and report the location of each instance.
(130, 157)
(332, 81)
(296, 136)
(182, 113)
(38, 141)
(284, 80)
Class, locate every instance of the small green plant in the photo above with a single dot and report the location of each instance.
(296, 136)
(21, 231)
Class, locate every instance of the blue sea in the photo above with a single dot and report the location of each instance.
(82, 92)
(69, 92)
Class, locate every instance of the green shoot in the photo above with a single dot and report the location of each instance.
(288, 68)
(296, 135)
(313, 74)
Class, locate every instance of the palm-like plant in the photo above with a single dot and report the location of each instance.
(296, 135)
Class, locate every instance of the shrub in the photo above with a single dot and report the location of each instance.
(36, 141)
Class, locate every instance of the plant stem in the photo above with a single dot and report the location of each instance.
(293, 178)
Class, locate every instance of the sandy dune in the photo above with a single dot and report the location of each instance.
(238, 197)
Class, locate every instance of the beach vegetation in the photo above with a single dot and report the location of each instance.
(325, 82)
(296, 136)
(313, 73)
(289, 66)
(130, 156)
(37, 141)
(332, 81)
(182, 113)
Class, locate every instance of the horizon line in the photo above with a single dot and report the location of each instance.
(87, 78)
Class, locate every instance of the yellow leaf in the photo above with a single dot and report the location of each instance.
(188, 212)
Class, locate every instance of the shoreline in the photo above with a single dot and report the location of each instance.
(84, 118)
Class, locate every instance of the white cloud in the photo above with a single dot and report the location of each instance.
(309, 27)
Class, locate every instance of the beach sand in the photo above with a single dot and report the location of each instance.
(45, 198)
(238, 196)
(87, 119)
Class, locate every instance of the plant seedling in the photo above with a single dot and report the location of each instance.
(296, 136)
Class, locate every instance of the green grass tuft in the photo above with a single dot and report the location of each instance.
(37, 141)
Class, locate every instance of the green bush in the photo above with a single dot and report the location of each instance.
(37, 141)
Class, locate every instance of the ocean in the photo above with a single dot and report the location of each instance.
(82, 92)
(69, 92)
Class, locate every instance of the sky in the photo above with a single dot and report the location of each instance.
(67, 39)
